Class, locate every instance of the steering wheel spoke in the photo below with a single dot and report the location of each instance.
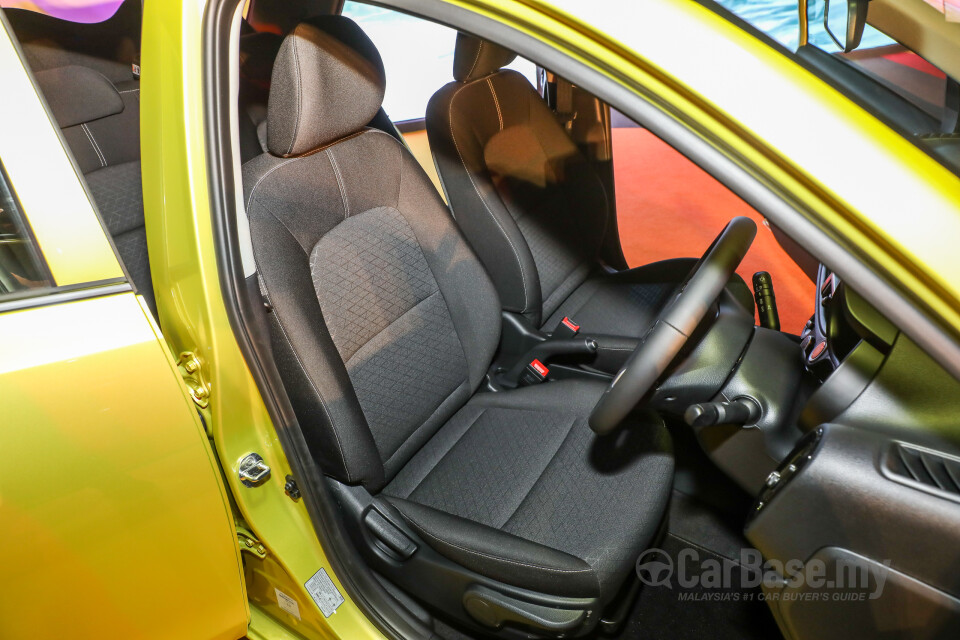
(652, 357)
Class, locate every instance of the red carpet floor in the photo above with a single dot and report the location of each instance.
(668, 207)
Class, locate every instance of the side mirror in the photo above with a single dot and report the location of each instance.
(844, 21)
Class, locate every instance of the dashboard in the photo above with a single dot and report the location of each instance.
(873, 486)
(855, 462)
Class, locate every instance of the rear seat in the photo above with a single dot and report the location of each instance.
(101, 124)
(85, 74)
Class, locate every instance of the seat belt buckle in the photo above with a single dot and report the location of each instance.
(534, 373)
(566, 329)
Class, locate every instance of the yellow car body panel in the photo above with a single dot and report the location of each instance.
(116, 523)
(193, 317)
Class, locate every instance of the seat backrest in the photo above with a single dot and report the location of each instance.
(383, 321)
(528, 201)
(100, 121)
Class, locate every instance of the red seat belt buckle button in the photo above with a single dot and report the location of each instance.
(566, 329)
(534, 373)
(540, 368)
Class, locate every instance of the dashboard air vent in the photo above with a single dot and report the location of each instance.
(931, 469)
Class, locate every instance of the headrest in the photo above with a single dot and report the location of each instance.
(328, 82)
(258, 52)
(78, 94)
(475, 58)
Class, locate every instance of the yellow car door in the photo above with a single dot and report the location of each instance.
(113, 515)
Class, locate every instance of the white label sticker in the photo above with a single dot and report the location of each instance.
(288, 604)
(324, 593)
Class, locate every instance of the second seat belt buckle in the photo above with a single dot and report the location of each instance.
(534, 373)
(566, 329)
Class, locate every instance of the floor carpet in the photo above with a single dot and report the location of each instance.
(707, 512)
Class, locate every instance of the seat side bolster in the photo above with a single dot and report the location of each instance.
(476, 205)
(501, 556)
(466, 286)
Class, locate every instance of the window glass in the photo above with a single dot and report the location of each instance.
(21, 267)
(926, 118)
(668, 207)
(780, 19)
(878, 56)
(417, 55)
(906, 74)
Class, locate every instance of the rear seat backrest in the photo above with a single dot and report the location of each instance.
(101, 124)
(109, 47)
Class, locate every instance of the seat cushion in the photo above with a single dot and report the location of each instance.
(617, 308)
(119, 196)
(517, 487)
(624, 303)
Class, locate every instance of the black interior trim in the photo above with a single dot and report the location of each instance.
(406, 126)
(46, 296)
(875, 97)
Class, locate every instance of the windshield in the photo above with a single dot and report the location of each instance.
(891, 80)
(780, 19)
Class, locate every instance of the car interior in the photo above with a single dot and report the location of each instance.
(89, 75)
(506, 415)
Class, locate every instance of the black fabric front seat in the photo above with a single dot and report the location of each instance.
(532, 206)
(383, 325)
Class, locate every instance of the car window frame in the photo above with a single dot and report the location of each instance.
(76, 248)
(28, 238)
(801, 56)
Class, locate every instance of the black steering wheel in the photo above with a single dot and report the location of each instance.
(674, 326)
